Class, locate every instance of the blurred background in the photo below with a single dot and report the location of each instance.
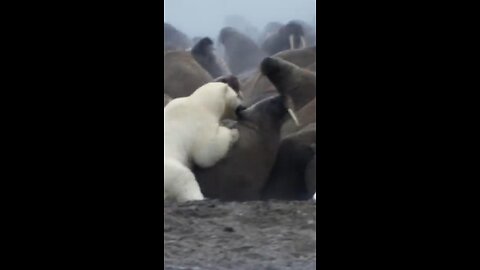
(206, 17)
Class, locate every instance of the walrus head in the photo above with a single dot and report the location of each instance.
(273, 68)
(174, 39)
(204, 54)
(290, 80)
(226, 33)
(295, 33)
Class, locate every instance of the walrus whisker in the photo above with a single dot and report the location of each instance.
(294, 117)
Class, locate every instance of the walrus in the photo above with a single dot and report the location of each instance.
(287, 180)
(203, 52)
(256, 86)
(288, 37)
(241, 52)
(173, 39)
(309, 32)
(298, 83)
(182, 74)
(242, 24)
(242, 174)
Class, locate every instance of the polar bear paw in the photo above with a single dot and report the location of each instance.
(191, 196)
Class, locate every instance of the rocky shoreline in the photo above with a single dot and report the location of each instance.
(256, 235)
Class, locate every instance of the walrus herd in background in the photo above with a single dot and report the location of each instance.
(275, 72)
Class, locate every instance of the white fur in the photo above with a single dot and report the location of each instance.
(193, 135)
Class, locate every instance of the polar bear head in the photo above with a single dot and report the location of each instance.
(219, 98)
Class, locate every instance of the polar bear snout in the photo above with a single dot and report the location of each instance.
(238, 111)
(233, 104)
(236, 101)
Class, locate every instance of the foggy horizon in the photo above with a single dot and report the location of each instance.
(207, 17)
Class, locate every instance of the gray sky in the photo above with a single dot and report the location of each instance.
(206, 17)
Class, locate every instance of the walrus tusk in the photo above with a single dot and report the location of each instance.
(294, 117)
(304, 44)
(290, 38)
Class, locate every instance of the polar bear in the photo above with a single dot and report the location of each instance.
(193, 135)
